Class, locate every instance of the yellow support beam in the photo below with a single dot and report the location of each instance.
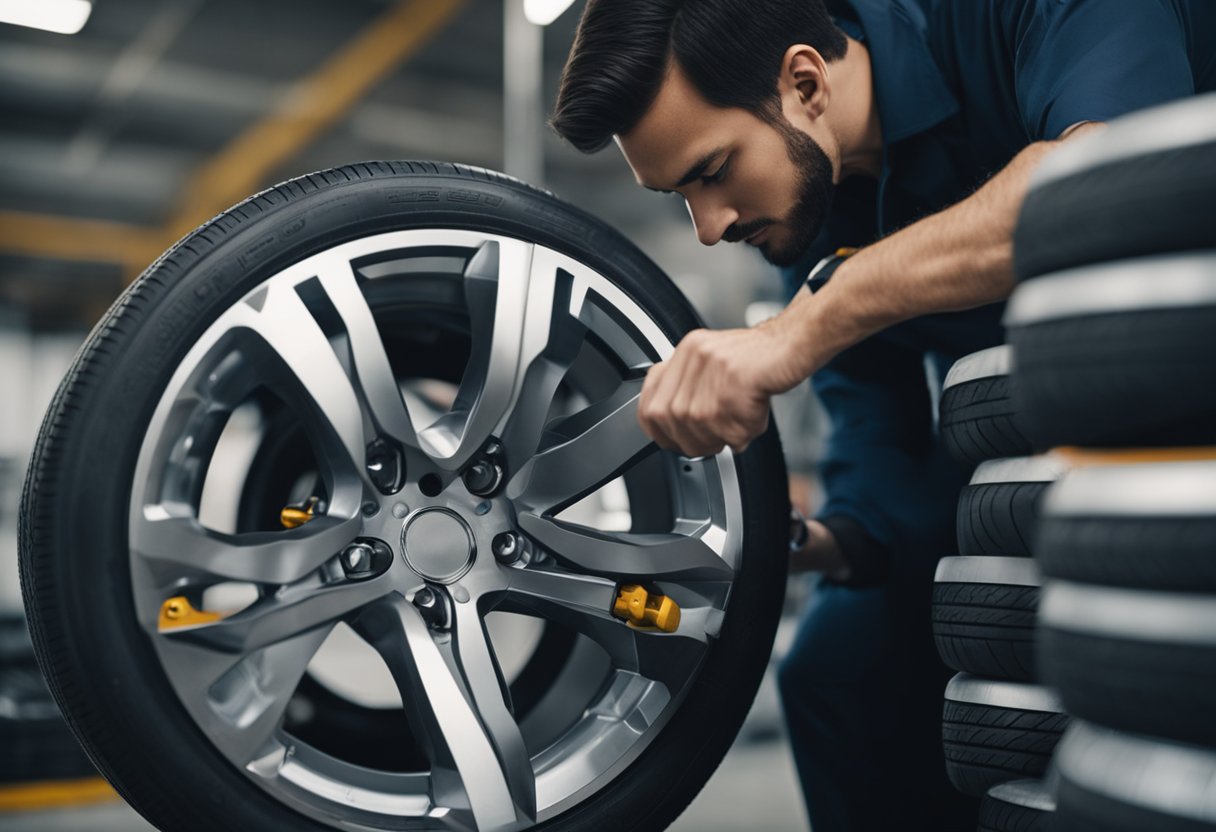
(311, 106)
(70, 238)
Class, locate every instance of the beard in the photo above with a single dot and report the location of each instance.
(812, 202)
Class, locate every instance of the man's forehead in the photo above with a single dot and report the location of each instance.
(672, 135)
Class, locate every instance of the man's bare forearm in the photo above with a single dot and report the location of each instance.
(715, 388)
(959, 258)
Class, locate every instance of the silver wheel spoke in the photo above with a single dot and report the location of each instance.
(291, 612)
(661, 657)
(279, 318)
(523, 341)
(370, 368)
(599, 443)
(552, 340)
(261, 557)
(582, 603)
(496, 286)
(561, 596)
(632, 556)
(450, 686)
(242, 698)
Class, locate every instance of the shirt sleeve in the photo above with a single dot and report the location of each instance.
(1095, 60)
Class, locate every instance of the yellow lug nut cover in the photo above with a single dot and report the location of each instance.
(178, 612)
(293, 517)
(646, 610)
(667, 616)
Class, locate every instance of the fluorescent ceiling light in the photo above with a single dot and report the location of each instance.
(66, 17)
(544, 12)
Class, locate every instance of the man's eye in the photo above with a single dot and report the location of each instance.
(716, 176)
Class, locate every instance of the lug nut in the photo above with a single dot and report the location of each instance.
(482, 478)
(366, 558)
(507, 547)
(385, 467)
(485, 474)
(432, 607)
(357, 559)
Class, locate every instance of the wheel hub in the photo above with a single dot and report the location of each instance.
(438, 545)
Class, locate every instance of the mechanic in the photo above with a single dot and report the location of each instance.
(908, 129)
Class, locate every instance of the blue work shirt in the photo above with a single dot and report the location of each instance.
(961, 87)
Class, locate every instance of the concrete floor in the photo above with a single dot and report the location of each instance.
(755, 787)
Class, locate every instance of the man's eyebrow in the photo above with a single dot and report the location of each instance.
(694, 172)
(699, 166)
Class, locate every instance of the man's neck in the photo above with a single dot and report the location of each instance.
(858, 130)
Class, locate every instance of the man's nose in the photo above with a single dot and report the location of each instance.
(710, 220)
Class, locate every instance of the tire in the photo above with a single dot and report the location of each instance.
(994, 732)
(998, 511)
(984, 616)
(1142, 186)
(1107, 357)
(1019, 806)
(36, 741)
(1135, 660)
(1147, 526)
(1113, 782)
(978, 421)
(116, 670)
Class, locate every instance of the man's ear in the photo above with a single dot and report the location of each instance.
(804, 80)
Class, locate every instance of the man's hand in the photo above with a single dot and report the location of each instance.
(714, 391)
(820, 553)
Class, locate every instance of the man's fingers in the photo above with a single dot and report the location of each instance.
(689, 421)
(693, 441)
(649, 409)
(663, 415)
(693, 403)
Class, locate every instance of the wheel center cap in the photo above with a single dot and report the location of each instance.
(438, 545)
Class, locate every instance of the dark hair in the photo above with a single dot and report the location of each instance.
(731, 51)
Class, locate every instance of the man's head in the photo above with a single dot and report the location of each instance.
(720, 100)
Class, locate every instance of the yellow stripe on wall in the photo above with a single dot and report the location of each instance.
(1076, 457)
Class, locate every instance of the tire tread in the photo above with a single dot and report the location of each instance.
(986, 629)
(987, 745)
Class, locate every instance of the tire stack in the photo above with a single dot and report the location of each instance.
(1113, 327)
(35, 742)
(999, 726)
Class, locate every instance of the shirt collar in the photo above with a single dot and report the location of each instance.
(911, 93)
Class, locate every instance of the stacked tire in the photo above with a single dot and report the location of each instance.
(37, 744)
(999, 726)
(1113, 329)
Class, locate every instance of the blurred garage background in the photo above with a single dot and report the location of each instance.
(119, 138)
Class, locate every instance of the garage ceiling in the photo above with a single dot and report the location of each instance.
(116, 123)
